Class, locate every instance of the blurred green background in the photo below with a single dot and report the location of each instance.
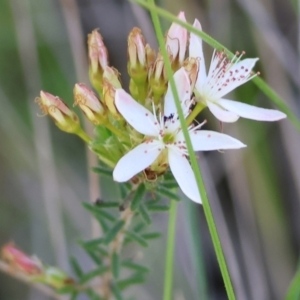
(45, 173)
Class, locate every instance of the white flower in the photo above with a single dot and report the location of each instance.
(164, 133)
(224, 76)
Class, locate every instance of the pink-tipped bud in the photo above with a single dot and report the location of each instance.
(89, 103)
(176, 42)
(140, 57)
(136, 48)
(110, 84)
(20, 261)
(64, 118)
(98, 57)
(98, 54)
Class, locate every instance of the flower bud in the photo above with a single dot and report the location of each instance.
(20, 261)
(138, 54)
(110, 84)
(158, 78)
(89, 103)
(98, 57)
(64, 118)
(176, 42)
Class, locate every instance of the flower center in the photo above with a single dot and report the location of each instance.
(169, 138)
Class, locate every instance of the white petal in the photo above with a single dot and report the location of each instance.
(184, 175)
(183, 86)
(235, 76)
(206, 140)
(136, 160)
(252, 112)
(196, 50)
(140, 118)
(222, 114)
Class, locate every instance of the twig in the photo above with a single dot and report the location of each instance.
(6, 268)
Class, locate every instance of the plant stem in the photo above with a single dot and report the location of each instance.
(198, 108)
(115, 130)
(170, 252)
(6, 268)
(207, 210)
(84, 136)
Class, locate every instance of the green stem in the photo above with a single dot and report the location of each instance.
(197, 251)
(84, 136)
(293, 292)
(261, 84)
(115, 130)
(170, 252)
(198, 108)
(207, 210)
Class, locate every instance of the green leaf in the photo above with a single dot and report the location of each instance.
(93, 295)
(74, 295)
(107, 204)
(65, 290)
(139, 227)
(94, 257)
(134, 266)
(103, 224)
(116, 291)
(75, 266)
(151, 235)
(167, 193)
(103, 171)
(97, 211)
(136, 237)
(137, 279)
(115, 262)
(144, 214)
(138, 197)
(158, 207)
(91, 244)
(102, 251)
(90, 275)
(170, 185)
(111, 234)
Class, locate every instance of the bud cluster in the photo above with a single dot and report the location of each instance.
(148, 84)
(33, 269)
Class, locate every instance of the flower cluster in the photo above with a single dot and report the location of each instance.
(139, 133)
